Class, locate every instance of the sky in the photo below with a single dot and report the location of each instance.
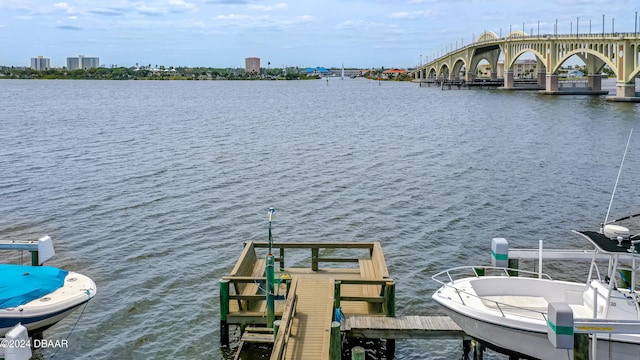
(303, 33)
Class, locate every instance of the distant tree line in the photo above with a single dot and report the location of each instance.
(152, 73)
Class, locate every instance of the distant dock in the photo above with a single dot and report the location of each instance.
(305, 310)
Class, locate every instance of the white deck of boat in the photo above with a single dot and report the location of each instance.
(528, 306)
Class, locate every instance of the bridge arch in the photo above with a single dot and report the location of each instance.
(444, 71)
(487, 36)
(537, 54)
(516, 34)
(476, 60)
(458, 64)
(580, 53)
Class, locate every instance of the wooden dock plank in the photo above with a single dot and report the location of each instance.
(258, 338)
(401, 327)
(315, 303)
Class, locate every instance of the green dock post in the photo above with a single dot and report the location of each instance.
(314, 259)
(581, 346)
(514, 264)
(335, 347)
(282, 259)
(336, 294)
(224, 311)
(270, 292)
(34, 258)
(276, 328)
(390, 299)
(357, 353)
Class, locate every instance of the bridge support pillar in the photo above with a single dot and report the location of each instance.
(494, 75)
(594, 82)
(508, 79)
(552, 83)
(542, 78)
(624, 89)
(470, 76)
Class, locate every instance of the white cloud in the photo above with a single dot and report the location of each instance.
(182, 4)
(278, 6)
(63, 6)
(233, 17)
(351, 24)
(407, 15)
(149, 10)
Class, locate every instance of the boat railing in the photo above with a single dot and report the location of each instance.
(461, 272)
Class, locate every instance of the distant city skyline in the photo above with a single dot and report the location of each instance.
(222, 33)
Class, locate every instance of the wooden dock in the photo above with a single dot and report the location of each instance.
(401, 327)
(308, 300)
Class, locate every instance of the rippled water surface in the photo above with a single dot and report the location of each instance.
(150, 188)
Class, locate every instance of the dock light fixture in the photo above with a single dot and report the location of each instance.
(272, 215)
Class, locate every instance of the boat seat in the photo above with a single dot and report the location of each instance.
(529, 306)
(581, 312)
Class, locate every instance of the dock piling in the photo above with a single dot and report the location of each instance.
(357, 353)
(224, 311)
(276, 328)
(390, 299)
(335, 345)
(314, 259)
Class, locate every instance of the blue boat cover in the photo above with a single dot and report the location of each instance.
(20, 284)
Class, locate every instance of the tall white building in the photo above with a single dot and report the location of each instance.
(82, 62)
(40, 63)
(252, 65)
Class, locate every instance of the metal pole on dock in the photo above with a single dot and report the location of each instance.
(270, 301)
(272, 215)
(224, 311)
(269, 272)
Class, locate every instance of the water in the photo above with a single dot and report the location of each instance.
(151, 187)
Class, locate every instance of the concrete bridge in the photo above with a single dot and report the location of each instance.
(620, 51)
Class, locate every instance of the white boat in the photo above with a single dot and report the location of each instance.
(507, 309)
(39, 296)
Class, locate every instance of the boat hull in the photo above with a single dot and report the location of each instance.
(44, 312)
(533, 345)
